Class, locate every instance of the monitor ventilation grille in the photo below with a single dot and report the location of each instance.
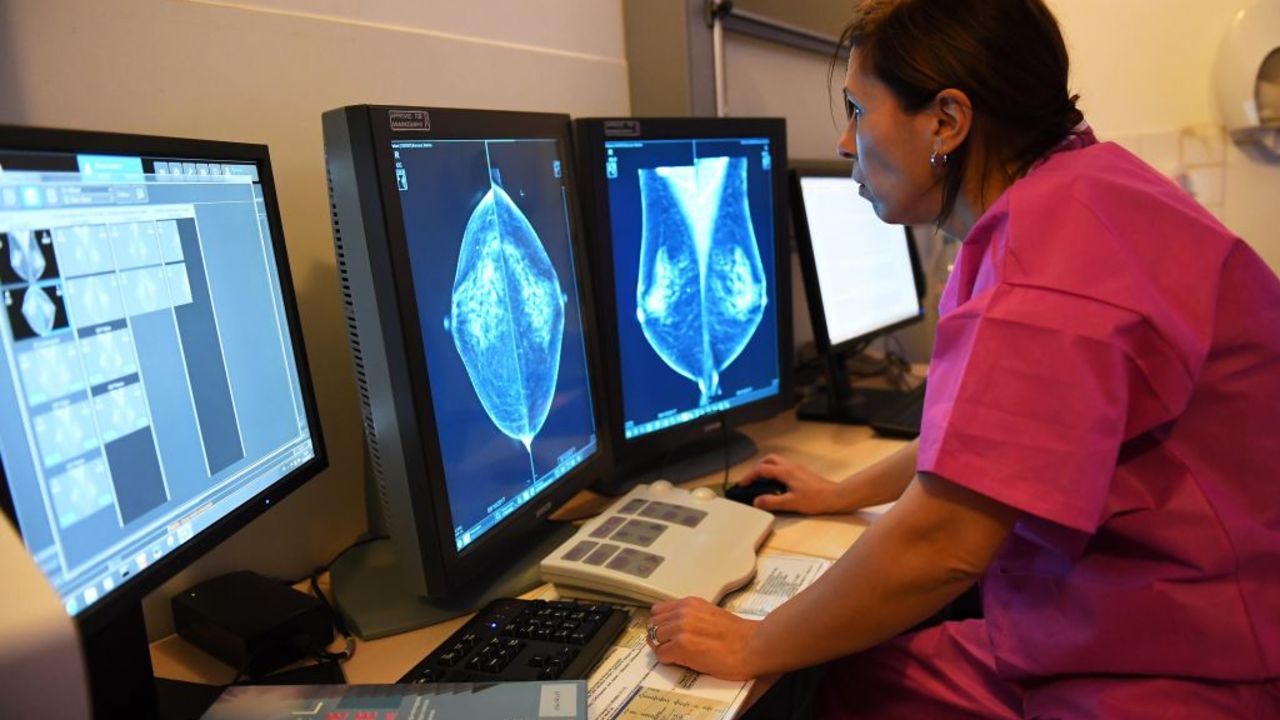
(357, 353)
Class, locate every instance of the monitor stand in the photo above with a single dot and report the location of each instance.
(842, 403)
(704, 457)
(369, 593)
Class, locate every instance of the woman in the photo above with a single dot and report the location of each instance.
(1101, 434)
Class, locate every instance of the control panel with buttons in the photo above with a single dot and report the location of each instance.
(660, 542)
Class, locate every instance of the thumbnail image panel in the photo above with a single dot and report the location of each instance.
(66, 432)
(108, 355)
(81, 491)
(36, 310)
(121, 411)
(83, 250)
(26, 256)
(94, 300)
(134, 244)
(179, 284)
(170, 240)
(50, 372)
(144, 290)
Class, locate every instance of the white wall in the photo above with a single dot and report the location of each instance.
(263, 71)
(1143, 69)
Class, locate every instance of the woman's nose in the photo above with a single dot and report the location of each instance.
(847, 146)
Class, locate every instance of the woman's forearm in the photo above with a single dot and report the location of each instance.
(881, 482)
(905, 567)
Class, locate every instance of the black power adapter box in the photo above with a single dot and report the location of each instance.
(252, 623)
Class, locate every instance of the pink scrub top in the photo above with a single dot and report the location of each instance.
(1108, 362)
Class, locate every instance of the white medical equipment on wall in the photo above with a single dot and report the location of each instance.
(1247, 78)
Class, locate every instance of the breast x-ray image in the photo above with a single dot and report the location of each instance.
(694, 276)
(507, 317)
(488, 236)
(701, 291)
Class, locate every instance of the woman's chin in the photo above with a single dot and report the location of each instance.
(895, 215)
(883, 212)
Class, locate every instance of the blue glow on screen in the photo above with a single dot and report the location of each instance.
(694, 277)
(493, 269)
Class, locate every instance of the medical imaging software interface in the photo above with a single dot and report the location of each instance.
(864, 264)
(693, 256)
(487, 228)
(149, 384)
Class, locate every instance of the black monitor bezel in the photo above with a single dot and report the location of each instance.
(649, 450)
(809, 263)
(125, 597)
(430, 499)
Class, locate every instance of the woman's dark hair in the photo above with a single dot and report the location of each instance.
(1007, 56)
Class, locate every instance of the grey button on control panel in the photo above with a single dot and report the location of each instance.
(601, 554)
(632, 507)
(678, 514)
(579, 551)
(638, 532)
(635, 562)
(608, 526)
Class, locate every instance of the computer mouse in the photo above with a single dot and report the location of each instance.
(747, 494)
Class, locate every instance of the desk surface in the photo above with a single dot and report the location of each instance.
(831, 450)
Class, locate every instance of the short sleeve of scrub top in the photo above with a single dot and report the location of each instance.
(1034, 385)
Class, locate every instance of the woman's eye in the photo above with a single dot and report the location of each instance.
(851, 111)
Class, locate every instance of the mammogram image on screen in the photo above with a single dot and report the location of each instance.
(495, 293)
(507, 316)
(701, 291)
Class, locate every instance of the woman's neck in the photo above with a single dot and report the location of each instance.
(977, 194)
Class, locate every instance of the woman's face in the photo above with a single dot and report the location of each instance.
(890, 149)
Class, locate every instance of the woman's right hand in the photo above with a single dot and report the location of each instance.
(807, 492)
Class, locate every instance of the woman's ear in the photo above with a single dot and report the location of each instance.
(953, 115)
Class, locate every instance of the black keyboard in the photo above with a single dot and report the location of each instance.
(902, 418)
(513, 639)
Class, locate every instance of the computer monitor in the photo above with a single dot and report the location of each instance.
(155, 395)
(862, 279)
(688, 225)
(471, 333)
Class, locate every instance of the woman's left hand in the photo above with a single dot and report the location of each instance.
(700, 636)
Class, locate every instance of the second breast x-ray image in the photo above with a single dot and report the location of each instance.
(693, 257)
(501, 323)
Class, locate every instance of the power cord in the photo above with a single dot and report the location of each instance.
(322, 569)
(349, 651)
(313, 582)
